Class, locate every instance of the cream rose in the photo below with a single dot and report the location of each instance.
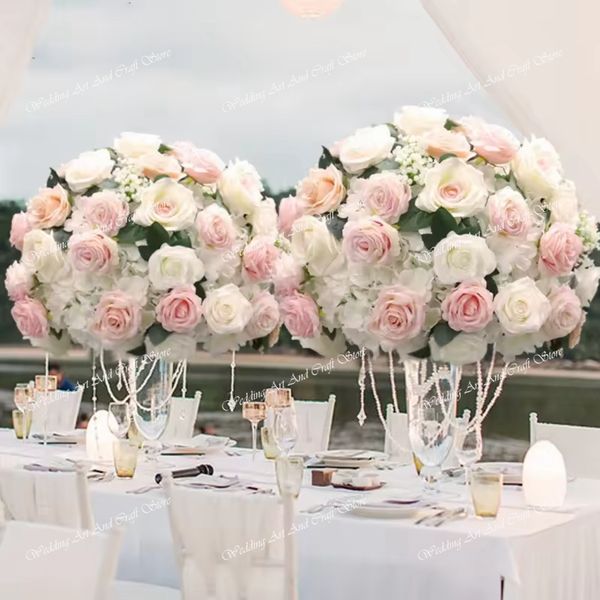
(313, 245)
(537, 168)
(168, 203)
(441, 141)
(417, 120)
(49, 208)
(564, 206)
(42, 256)
(227, 310)
(460, 257)
(368, 146)
(264, 218)
(134, 145)
(455, 186)
(521, 307)
(172, 266)
(152, 164)
(89, 169)
(240, 187)
(587, 277)
(322, 191)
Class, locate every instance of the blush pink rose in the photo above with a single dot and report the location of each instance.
(259, 259)
(201, 165)
(18, 281)
(322, 191)
(469, 307)
(19, 226)
(31, 318)
(508, 213)
(290, 209)
(49, 208)
(117, 318)
(215, 227)
(287, 275)
(565, 312)
(441, 141)
(106, 211)
(560, 248)
(494, 143)
(265, 316)
(398, 314)
(370, 240)
(384, 195)
(300, 315)
(93, 252)
(180, 310)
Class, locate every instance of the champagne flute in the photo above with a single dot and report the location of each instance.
(254, 412)
(468, 445)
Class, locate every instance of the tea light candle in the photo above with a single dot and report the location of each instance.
(278, 397)
(544, 476)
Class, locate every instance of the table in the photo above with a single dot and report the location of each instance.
(539, 555)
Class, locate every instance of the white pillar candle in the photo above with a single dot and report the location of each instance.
(544, 476)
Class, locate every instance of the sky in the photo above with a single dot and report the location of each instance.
(245, 78)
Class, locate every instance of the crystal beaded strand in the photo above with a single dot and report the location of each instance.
(362, 415)
(231, 401)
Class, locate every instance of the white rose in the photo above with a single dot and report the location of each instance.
(465, 348)
(313, 245)
(521, 307)
(587, 277)
(460, 257)
(227, 310)
(42, 255)
(416, 120)
(134, 145)
(537, 168)
(564, 204)
(168, 203)
(174, 265)
(88, 169)
(365, 148)
(456, 186)
(240, 187)
(264, 218)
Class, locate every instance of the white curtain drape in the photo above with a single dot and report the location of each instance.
(20, 22)
(540, 61)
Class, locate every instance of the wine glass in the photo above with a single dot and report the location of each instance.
(468, 445)
(254, 412)
(285, 429)
(23, 398)
(119, 418)
(150, 417)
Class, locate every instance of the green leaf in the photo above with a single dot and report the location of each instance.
(327, 159)
(443, 334)
(113, 153)
(200, 290)
(491, 284)
(450, 124)
(414, 219)
(146, 252)
(443, 157)
(157, 334)
(469, 225)
(131, 233)
(429, 240)
(368, 172)
(164, 149)
(424, 352)
(54, 179)
(387, 165)
(181, 238)
(139, 351)
(392, 129)
(442, 223)
(61, 237)
(156, 236)
(336, 225)
(159, 177)
(91, 190)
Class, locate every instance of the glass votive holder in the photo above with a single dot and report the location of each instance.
(269, 444)
(21, 423)
(46, 384)
(289, 471)
(125, 454)
(486, 493)
(278, 397)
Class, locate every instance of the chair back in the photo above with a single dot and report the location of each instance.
(59, 410)
(60, 499)
(578, 445)
(314, 425)
(182, 418)
(46, 561)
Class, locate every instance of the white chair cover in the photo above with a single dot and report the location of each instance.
(579, 446)
(229, 545)
(314, 425)
(182, 418)
(61, 499)
(398, 445)
(57, 563)
(60, 411)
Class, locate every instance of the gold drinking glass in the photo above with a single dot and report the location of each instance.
(289, 471)
(125, 457)
(254, 412)
(486, 493)
(46, 384)
(21, 423)
(23, 396)
(269, 444)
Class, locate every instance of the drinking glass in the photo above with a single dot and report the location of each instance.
(46, 384)
(468, 447)
(285, 429)
(21, 423)
(269, 444)
(289, 471)
(125, 457)
(278, 397)
(23, 398)
(150, 417)
(254, 412)
(486, 492)
(119, 418)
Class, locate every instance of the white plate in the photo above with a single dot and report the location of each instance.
(512, 471)
(387, 509)
(349, 458)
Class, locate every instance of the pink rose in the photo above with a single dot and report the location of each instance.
(18, 281)
(49, 208)
(118, 317)
(201, 165)
(290, 209)
(560, 248)
(180, 310)
(20, 225)
(153, 164)
(398, 314)
(31, 318)
(300, 315)
(265, 316)
(370, 240)
(469, 307)
(105, 211)
(322, 191)
(565, 312)
(494, 143)
(508, 213)
(287, 275)
(385, 195)
(215, 227)
(441, 141)
(259, 259)
(93, 252)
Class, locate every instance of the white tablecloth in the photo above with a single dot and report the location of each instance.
(551, 555)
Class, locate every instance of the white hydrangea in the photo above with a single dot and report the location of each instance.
(587, 230)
